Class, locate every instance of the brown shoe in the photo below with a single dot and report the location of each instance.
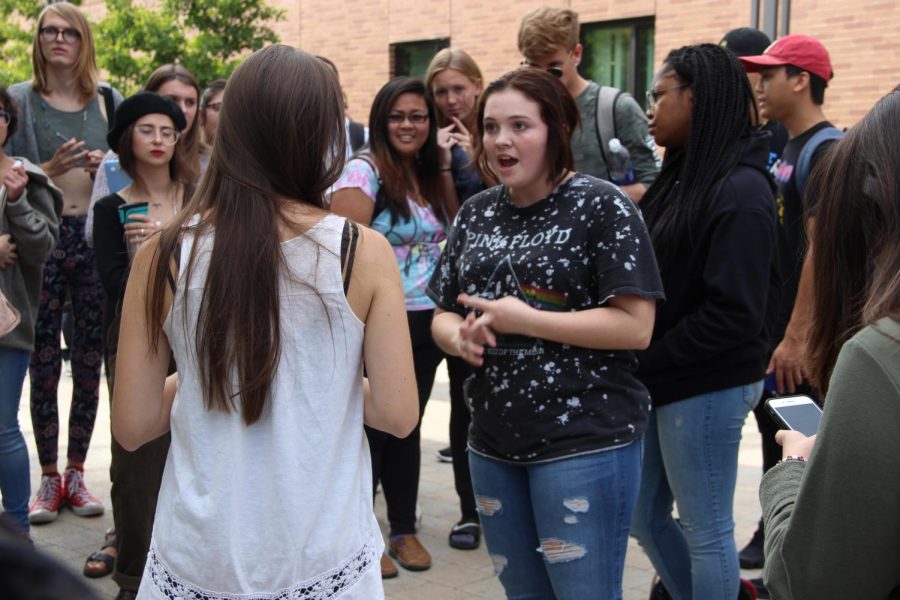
(388, 570)
(409, 552)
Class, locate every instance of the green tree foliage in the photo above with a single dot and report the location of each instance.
(209, 37)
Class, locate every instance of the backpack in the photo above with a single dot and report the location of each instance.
(804, 162)
(606, 118)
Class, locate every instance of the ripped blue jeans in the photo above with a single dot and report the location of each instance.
(558, 530)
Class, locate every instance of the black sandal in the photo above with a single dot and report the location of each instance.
(108, 560)
(465, 535)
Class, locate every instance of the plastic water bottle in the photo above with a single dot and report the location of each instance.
(620, 170)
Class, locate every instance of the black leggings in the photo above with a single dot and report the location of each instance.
(395, 461)
(460, 417)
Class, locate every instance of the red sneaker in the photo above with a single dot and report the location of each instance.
(82, 502)
(45, 506)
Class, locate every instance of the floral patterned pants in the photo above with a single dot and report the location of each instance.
(70, 268)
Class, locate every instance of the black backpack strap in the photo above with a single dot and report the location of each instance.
(170, 277)
(110, 104)
(349, 238)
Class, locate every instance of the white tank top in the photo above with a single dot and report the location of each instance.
(281, 508)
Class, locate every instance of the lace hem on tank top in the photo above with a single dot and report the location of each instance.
(330, 584)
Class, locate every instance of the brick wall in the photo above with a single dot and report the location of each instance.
(356, 35)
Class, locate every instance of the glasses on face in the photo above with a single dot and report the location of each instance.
(51, 34)
(653, 96)
(5, 118)
(414, 118)
(214, 106)
(168, 135)
(555, 71)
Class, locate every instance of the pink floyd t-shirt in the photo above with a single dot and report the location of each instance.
(533, 399)
(416, 241)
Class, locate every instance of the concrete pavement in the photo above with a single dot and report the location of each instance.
(455, 574)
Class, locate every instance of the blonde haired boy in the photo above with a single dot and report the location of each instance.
(548, 39)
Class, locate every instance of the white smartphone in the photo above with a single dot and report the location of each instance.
(799, 413)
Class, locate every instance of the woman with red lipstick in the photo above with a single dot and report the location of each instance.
(177, 83)
(64, 112)
(147, 138)
(546, 285)
(395, 187)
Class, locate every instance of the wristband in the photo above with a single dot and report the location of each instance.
(793, 459)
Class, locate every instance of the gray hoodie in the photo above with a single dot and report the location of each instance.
(33, 222)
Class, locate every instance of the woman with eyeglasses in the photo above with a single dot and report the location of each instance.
(712, 218)
(210, 105)
(146, 137)
(64, 113)
(396, 187)
(29, 229)
(139, 472)
(177, 83)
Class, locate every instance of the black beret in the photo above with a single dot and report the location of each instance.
(135, 107)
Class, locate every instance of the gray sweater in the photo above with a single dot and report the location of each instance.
(33, 222)
(24, 141)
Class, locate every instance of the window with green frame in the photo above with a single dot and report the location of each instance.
(620, 54)
(413, 58)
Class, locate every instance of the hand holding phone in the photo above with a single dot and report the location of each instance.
(797, 413)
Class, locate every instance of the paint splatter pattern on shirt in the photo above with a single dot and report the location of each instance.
(585, 243)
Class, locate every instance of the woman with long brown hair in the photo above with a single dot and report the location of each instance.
(830, 506)
(64, 112)
(270, 305)
(396, 186)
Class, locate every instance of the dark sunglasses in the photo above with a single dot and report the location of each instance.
(555, 71)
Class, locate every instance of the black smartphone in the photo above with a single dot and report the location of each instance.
(799, 413)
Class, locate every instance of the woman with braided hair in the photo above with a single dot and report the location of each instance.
(712, 218)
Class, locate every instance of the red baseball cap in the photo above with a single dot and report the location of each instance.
(801, 51)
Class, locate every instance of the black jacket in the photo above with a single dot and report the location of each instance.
(712, 332)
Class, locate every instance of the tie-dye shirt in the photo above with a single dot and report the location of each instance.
(535, 400)
(416, 241)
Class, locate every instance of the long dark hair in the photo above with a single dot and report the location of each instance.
(721, 127)
(856, 242)
(396, 180)
(190, 141)
(558, 110)
(281, 131)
